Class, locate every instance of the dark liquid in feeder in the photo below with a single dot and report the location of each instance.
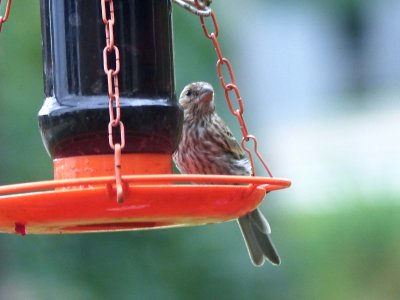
(74, 118)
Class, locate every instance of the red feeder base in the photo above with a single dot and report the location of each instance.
(150, 201)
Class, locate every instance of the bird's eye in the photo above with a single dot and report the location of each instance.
(188, 93)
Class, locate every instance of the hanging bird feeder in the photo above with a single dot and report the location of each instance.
(111, 122)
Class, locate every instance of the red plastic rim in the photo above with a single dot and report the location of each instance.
(150, 201)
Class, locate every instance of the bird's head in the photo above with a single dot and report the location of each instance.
(198, 98)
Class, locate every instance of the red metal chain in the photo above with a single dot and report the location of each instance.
(4, 18)
(230, 88)
(111, 50)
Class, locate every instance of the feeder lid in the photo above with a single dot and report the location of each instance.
(150, 201)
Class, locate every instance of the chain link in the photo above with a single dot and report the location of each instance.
(111, 51)
(230, 88)
(4, 18)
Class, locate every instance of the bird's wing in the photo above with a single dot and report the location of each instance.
(232, 145)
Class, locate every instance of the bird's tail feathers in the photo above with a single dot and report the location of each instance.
(255, 252)
(256, 232)
(258, 220)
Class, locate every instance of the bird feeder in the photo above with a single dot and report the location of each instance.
(75, 126)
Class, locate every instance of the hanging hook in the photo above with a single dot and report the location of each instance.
(118, 178)
(4, 18)
(190, 5)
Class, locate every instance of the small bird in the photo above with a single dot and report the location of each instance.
(209, 147)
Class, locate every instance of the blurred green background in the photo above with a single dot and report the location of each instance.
(321, 83)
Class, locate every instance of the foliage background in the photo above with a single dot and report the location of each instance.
(336, 228)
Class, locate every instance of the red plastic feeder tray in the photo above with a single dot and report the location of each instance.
(150, 201)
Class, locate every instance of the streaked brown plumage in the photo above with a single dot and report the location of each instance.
(208, 147)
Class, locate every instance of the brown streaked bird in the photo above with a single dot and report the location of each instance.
(208, 147)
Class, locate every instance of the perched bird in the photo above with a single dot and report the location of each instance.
(208, 147)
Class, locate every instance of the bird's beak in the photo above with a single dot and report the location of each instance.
(206, 93)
